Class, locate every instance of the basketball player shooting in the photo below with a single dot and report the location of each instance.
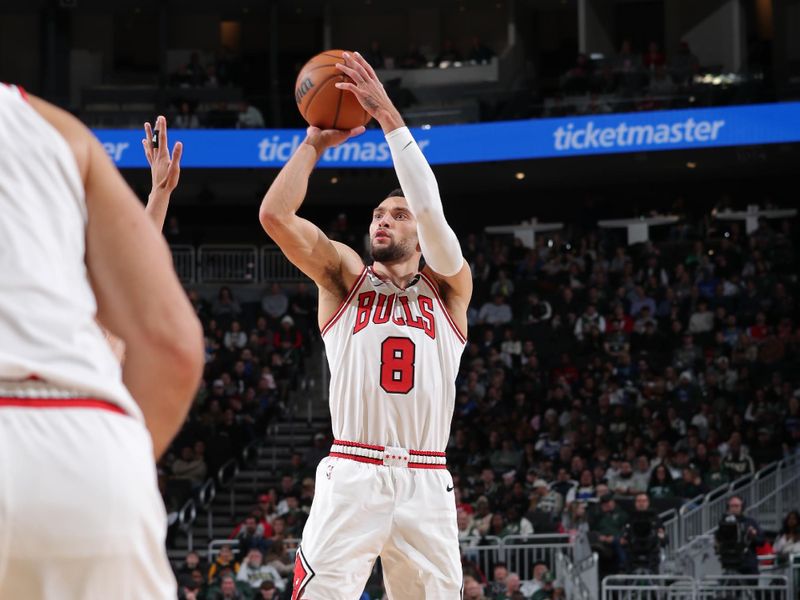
(394, 335)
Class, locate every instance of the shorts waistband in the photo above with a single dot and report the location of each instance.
(389, 456)
(62, 403)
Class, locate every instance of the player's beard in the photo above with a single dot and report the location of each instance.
(393, 252)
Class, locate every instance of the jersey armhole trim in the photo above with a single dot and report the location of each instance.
(20, 90)
(336, 315)
(461, 337)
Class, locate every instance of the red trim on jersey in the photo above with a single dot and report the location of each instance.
(61, 403)
(413, 465)
(21, 90)
(364, 459)
(359, 445)
(450, 320)
(332, 321)
(426, 453)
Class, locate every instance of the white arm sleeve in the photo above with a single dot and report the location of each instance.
(438, 241)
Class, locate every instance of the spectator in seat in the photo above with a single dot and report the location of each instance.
(250, 534)
(374, 56)
(606, 528)
(249, 117)
(186, 118)
(684, 64)
(589, 318)
(737, 461)
(254, 572)
(267, 591)
(788, 541)
(653, 58)
(495, 313)
(478, 51)
(448, 54)
(225, 309)
(224, 559)
(235, 339)
(412, 59)
(276, 303)
(190, 467)
(702, 319)
(661, 484)
(473, 590)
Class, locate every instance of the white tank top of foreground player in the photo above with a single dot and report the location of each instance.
(47, 307)
(394, 356)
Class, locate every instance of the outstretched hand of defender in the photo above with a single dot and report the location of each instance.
(368, 89)
(165, 169)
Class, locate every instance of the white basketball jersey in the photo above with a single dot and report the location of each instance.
(47, 307)
(394, 356)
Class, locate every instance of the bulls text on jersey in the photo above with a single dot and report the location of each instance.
(378, 308)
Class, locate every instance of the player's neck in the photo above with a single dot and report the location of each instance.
(399, 273)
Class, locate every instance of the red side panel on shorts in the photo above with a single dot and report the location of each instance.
(303, 573)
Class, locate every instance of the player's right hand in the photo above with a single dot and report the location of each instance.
(322, 139)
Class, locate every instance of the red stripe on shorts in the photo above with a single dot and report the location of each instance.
(364, 459)
(358, 445)
(61, 403)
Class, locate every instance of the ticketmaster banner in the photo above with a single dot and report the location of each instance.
(482, 142)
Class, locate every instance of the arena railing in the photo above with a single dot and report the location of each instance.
(227, 264)
(579, 580)
(222, 263)
(649, 587)
(276, 267)
(205, 496)
(185, 260)
(699, 518)
(763, 587)
(186, 518)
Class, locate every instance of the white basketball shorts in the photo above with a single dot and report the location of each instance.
(80, 512)
(387, 502)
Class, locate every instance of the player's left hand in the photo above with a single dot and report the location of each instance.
(165, 170)
(366, 86)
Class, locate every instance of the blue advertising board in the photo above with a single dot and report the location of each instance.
(483, 142)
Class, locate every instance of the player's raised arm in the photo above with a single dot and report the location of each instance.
(303, 243)
(438, 241)
(164, 169)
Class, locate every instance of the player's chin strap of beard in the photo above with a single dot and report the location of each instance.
(437, 240)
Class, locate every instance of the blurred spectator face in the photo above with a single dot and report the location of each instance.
(228, 586)
(187, 453)
(538, 571)
(192, 560)
(500, 574)
(642, 502)
(512, 583)
(462, 518)
(625, 468)
(472, 589)
(735, 505)
(254, 558)
(642, 464)
(226, 554)
(198, 579)
(250, 525)
(586, 478)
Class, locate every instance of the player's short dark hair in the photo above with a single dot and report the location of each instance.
(395, 193)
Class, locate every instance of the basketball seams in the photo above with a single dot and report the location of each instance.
(320, 87)
(338, 107)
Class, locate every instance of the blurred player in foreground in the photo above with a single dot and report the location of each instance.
(80, 512)
(394, 335)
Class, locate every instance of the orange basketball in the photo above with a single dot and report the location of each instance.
(321, 103)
